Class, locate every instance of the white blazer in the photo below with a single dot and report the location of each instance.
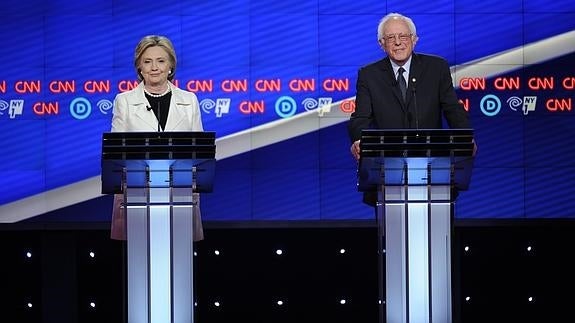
(131, 114)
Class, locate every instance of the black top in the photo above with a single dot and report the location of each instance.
(161, 107)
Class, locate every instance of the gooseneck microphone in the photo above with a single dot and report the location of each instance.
(413, 91)
(159, 117)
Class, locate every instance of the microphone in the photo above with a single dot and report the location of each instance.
(159, 117)
(413, 90)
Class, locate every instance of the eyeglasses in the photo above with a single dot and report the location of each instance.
(392, 37)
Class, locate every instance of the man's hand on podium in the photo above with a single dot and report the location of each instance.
(474, 148)
(355, 150)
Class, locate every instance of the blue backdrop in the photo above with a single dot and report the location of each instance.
(263, 71)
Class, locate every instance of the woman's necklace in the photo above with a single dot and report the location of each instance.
(157, 95)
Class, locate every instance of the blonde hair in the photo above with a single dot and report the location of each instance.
(151, 41)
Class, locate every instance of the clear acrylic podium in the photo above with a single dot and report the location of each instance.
(415, 174)
(157, 172)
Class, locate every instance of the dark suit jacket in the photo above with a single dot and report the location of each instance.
(430, 98)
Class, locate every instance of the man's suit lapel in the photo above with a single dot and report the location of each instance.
(391, 81)
(414, 72)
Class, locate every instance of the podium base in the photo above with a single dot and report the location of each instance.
(414, 225)
(160, 255)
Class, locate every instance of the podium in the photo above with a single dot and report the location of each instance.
(415, 174)
(159, 174)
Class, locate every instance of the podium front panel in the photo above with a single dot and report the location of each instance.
(160, 175)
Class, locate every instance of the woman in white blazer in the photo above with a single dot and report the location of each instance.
(154, 105)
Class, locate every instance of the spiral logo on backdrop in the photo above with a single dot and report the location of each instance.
(220, 106)
(514, 102)
(322, 105)
(207, 105)
(526, 104)
(309, 104)
(105, 106)
(3, 107)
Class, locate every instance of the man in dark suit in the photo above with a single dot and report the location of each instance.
(405, 89)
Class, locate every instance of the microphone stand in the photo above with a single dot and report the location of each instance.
(159, 117)
(415, 104)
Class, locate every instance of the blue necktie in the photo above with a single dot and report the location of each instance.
(401, 82)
